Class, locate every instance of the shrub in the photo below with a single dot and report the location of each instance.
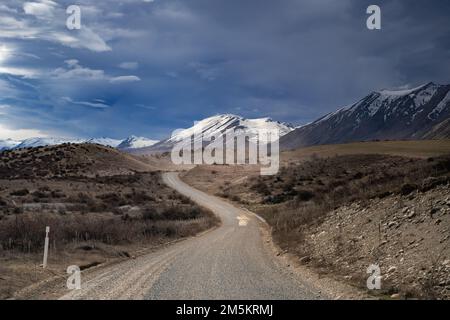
(57, 194)
(407, 188)
(114, 199)
(40, 194)
(174, 212)
(261, 187)
(304, 195)
(139, 197)
(20, 193)
(236, 198)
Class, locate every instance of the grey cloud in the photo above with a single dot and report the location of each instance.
(293, 60)
(45, 20)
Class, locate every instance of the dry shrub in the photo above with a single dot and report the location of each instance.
(302, 194)
(26, 232)
(173, 212)
(20, 193)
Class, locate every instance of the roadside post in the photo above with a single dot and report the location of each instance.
(44, 263)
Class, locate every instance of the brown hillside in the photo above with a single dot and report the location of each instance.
(68, 160)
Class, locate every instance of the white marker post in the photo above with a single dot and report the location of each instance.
(44, 263)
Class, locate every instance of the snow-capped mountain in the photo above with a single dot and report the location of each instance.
(47, 141)
(130, 143)
(220, 125)
(108, 142)
(8, 144)
(134, 142)
(212, 126)
(418, 113)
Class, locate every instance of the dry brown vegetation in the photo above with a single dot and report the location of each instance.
(314, 198)
(332, 182)
(99, 204)
(339, 214)
(112, 210)
(415, 149)
(68, 160)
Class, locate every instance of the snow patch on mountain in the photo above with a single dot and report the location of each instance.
(218, 126)
(108, 142)
(433, 115)
(403, 92)
(8, 144)
(134, 142)
(227, 123)
(41, 142)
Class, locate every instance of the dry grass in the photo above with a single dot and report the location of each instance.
(91, 197)
(302, 194)
(112, 210)
(412, 149)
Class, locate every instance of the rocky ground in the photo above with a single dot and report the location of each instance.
(407, 236)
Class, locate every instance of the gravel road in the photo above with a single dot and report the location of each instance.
(229, 262)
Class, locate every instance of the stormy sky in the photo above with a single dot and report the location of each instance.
(147, 67)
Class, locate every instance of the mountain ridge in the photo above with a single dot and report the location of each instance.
(417, 113)
(128, 143)
(381, 115)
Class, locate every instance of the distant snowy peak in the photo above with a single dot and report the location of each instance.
(218, 125)
(108, 142)
(47, 141)
(222, 124)
(212, 126)
(134, 142)
(267, 124)
(8, 144)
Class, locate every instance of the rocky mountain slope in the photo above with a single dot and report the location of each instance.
(419, 113)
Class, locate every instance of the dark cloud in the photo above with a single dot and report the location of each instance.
(292, 60)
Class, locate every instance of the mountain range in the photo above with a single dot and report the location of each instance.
(413, 114)
(131, 142)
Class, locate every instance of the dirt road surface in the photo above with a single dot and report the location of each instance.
(229, 262)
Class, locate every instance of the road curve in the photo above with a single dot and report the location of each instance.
(230, 262)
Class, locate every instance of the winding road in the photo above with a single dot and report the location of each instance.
(229, 262)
